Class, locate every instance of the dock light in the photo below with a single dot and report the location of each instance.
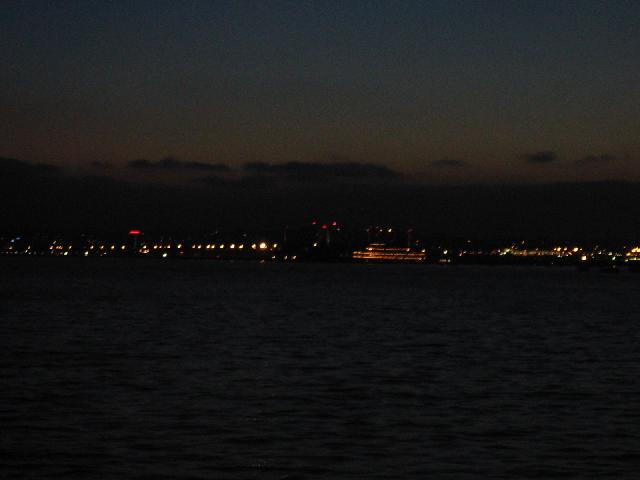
(164, 255)
(263, 246)
(583, 258)
(254, 246)
(233, 245)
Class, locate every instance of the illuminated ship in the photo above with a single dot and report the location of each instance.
(633, 259)
(379, 252)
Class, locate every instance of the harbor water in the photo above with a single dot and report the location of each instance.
(134, 368)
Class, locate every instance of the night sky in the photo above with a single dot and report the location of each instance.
(454, 91)
(240, 96)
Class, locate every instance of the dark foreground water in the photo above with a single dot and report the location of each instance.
(190, 369)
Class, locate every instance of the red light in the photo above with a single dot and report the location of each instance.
(335, 224)
(313, 222)
(134, 232)
(324, 227)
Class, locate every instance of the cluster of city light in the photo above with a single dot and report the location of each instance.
(462, 253)
(230, 246)
(633, 254)
(55, 247)
(12, 250)
(101, 249)
(145, 249)
(558, 252)
(162, 246)
(58, 249)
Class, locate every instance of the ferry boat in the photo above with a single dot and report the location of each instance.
(380, 253)
(633, 260)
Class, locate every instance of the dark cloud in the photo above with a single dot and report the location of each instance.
(213, 181)
(255, 182)
(37, 199)
(258, 167)
(311, 171)
(339, 158)
(539, 158)
(595, 159)
(448, 163)
(101, 165)
(12, 167)
(171, 163)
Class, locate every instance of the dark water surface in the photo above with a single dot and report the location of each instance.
(194, 369)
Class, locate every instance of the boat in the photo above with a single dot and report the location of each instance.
(381, 253)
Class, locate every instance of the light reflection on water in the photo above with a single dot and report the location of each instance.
(192, 369)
